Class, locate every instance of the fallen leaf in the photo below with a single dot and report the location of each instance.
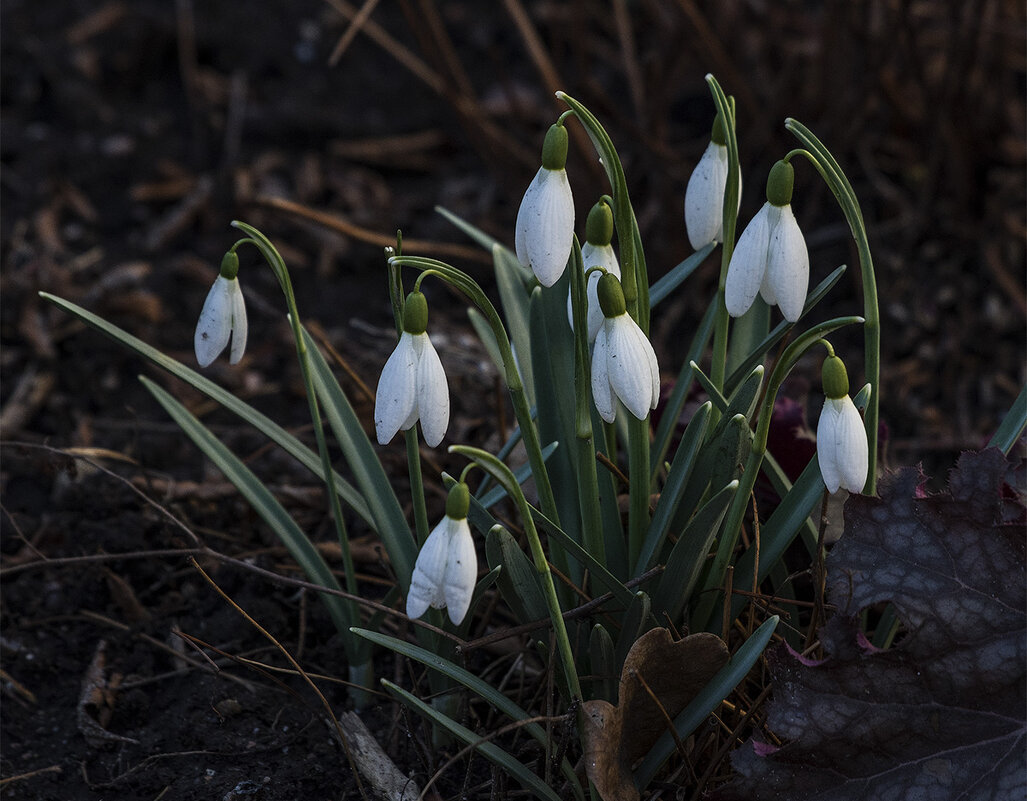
(941, 716)
(659, 678)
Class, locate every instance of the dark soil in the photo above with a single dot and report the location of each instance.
(134, 132)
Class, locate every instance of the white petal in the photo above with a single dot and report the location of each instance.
(842, 446)
(788, 265)
(432, 393)
(704, 197)
(240, 327)
(396, 398)
(748, 262)
(426, 582)
(545, 225)
(594, 256)
(602, 392)
(461, 571)
(215, 323)
(630, 360)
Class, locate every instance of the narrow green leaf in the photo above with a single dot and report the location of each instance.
(343, 613)
(304, 455)
(1013, 424)
(514, 297)
(637, 620)
(781, 329)
(522, 474)
(605, 669)
(363, 461)
(680, 472)
(481, 688)
(490, 751)
(677, 275)
(670, 413)
(720, 686)
(488, 339)
(488, 242)
(688, 556)
(518, 582)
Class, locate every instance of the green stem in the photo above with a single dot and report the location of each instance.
(502, 474)
(588, 481)
(832, 174)
(718, 366)
(736, 511)
(512, 377)
(277, 265)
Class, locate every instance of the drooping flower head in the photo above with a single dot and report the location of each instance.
(223, 315)
(413, 384)
(447, 566)
(545, 220)
(624, 364)
(842, 447)
(596, 252)
(771, 257)
(704, 195)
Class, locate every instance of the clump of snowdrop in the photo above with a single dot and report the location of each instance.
(223, 315)
(545, 219)
(596, 252)
(413, 383)
(841, 436)
(447, 566)
(624, 364)
(704, 196)
(771, 257)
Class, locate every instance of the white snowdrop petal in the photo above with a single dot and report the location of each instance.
(396, 397)
(426, 582)
(525, 215)
(748, 263)
(215, 323)
(239, 324)
(788, 265)
(432, 394)
(548, 225)
(827, 447)
(629, 365)
(704, 199)
(461, 571)
(602, 392)
(594, 256)
(851, 452)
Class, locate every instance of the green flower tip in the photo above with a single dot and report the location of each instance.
(415, 313)
(719, 133)
(458, 502)
(611, 296)
(834, 378)
(554, 149)
(780, 183)
(599, 227)
(230, 265)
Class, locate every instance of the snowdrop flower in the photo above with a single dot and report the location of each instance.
(597, 252)
(770, 257)
(545, 220)
(624, 364)
(223, 315)
(413, 384)
(447, 566)
(704, 196)
(841, 436)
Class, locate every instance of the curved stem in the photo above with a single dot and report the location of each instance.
(277, 265)
(501, 473)
(832, 174)
(718, 366)
(736, 511)
(512, 377)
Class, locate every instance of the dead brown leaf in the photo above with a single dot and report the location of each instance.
(660, 677)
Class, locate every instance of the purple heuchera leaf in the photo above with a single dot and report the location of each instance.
(941, 716)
